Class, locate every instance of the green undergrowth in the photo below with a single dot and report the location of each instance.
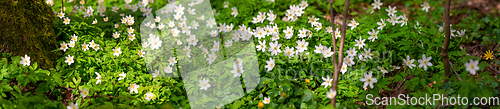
(300, 87)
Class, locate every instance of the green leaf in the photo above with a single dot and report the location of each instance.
(398, 78)
(414, 83)
(35, 65)
(354, 13)
(423, 82)
(303, 105)
(106, 105)
(307, 95)
(329, 106)
(237, 104)
(494, 84)
(102, 34)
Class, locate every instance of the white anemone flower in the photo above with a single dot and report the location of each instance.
(204, 84)
(424, 62)
(327, 81)
(133, 88)
(25, 61)
(368, 80)
(472, 66)
(270, 64)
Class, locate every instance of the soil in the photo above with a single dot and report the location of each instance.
(483, 7)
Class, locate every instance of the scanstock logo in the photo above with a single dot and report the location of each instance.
(183, 39)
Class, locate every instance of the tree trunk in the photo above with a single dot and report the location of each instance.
(444, 48)
(338, 64)
(27, 29)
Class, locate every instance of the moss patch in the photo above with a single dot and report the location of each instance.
(27, 28)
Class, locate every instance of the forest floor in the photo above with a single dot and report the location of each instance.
(483, 7)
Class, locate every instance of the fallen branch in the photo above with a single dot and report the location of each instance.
(3, 47)
(494, 69)
(455, 71)
(476, 46)
(400, 84)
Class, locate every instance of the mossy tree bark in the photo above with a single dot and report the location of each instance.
(27, 28)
